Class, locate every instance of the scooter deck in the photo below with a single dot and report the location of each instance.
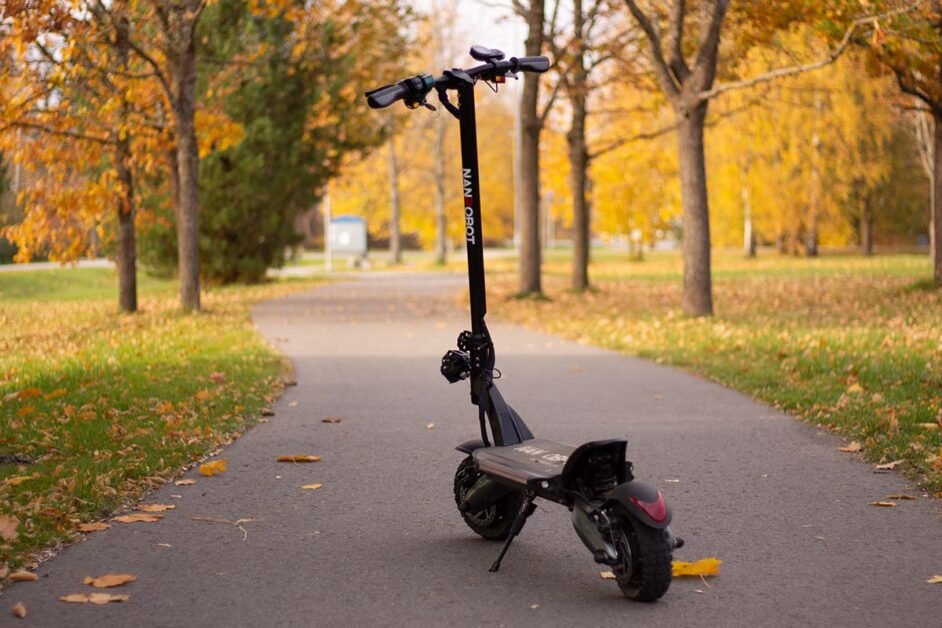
(534, 459)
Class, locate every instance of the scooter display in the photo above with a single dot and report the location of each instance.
(624, 523)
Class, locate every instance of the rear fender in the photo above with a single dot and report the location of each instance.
(643, 501)
(469, 446)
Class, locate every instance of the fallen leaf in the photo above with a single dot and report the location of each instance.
(217, 377)
(138, 517)
(333, 419)
(290, 382)
(17, 480)
(186, 482)
(855, 388)
(935, 580)
(293, 404)
(93, 598)
(59, 392)
(18, 610)
(852, 447)
(299, 458)
(164, 545)
(704, 567)
(29, 393)
(884, 504)
(155, 507)
(268, 412)
(928, 426)
(900, 496)
(92, 527)
(311, 487)
(430, 426)
(109, 580)
(889, 465)
(23, 576)
(8, 526)
(210, 469)
(607, 575)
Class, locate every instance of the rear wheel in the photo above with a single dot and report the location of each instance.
(644, 573)
(492, 523)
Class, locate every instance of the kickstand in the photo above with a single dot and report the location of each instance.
(525, 511)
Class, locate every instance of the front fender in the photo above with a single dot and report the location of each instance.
(643, 501)
(469, 446)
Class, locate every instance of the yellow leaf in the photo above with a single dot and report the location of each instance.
(93, 527)
(55, 394)
(889, 465)
(8, 526)
(204, 395)
(854, 389)
(884, 504)
(852, 447)
(110, 580)
(900, 496)
(934, 579)
(18, 610)
(155, 507)
(23, 576)
(704, 567)
(94, 598)
(311, 487)
(136, 517)
(186, 482)
(14, 481)
(212, 468)
(607, 575)
(299, 458)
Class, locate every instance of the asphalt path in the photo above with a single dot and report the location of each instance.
(382, 544)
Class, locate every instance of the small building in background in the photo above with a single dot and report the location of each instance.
(347, 238)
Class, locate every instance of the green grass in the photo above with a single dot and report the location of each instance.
(850, 343)
(103, 406)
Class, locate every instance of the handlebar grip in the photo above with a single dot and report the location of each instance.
(533, 64)
(386, 95)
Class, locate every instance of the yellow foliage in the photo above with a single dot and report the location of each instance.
(703, 567)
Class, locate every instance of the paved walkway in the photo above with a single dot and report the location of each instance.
(381, 544)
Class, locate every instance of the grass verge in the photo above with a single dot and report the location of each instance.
(850, 343)
(98, 408)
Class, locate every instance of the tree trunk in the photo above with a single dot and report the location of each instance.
(748, 233)
(188, 168)
(395, 244)
(441, 233)
(866, 228)
(935, 228)
(127, 244)
(578, 156)
(530, 127)
(698, 290)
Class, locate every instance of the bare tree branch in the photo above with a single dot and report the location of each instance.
(666, 78)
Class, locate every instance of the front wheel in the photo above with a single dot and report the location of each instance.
(492, 523)
(644, 571)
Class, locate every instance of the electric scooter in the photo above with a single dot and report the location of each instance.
(623, 522)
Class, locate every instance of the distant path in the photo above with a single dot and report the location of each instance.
(381, 544)
(82, 263)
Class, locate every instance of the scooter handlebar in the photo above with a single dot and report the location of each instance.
(532, 64)
(386, 95)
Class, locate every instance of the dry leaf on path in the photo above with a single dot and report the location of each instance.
(299, 458)
(888, 465)
(186, 482)
(884, 504)
(607, 575)
(900, 496)
(92, 527)
(852, 447)
(210, 469)
(331, 419)
(704, 567)
(268, 412)
(8, 526)
(93, 598)
(293, 404)
(311, 487)
(18, 610)
(109, 580)
(138, 517)
(155, 507)
(935, 580)
(23, 576)
(430, 426)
